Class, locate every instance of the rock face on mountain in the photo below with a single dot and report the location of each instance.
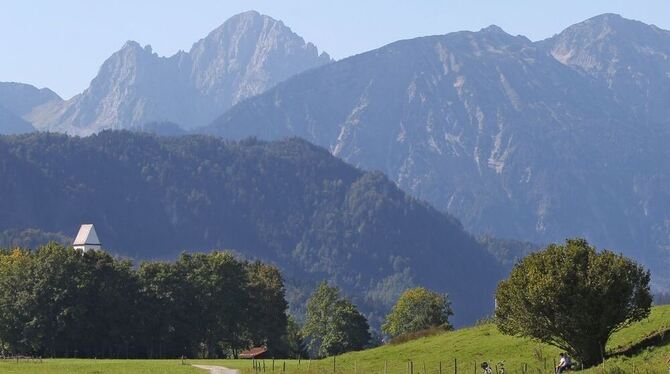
(537, 141)
(248, 54)
(289, 202)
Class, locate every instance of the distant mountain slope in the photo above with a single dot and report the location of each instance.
(10, 123)
(21, 98)
(16, 101)
(287, 202)
(248, 54)
(515, 138)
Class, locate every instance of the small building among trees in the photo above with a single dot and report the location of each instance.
(87, 239)
(254, 353)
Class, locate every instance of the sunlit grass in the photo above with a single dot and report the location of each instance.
(466, 348)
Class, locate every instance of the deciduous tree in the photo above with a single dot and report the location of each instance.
(418, 309)
(573, 297)
(333, 324)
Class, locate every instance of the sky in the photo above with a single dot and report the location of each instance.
(61, 44)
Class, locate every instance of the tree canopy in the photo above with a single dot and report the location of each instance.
(58, 301)
(418, 309)
(573, 297)
(333, 325)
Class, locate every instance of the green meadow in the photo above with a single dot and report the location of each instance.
(627, 353)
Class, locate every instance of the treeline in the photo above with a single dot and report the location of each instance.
(57, 301)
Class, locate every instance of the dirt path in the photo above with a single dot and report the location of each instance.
(216, 369)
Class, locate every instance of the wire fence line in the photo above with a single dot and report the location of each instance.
(19, 359)
(447, 366)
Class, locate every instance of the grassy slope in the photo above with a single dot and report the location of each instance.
(485, 343)
(468, 346)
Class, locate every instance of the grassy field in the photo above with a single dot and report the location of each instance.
(76, 366)
(468, 347)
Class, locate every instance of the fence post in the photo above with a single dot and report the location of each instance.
(333, 364)
(273, 364)
(411, 367)
(440, 365)
(455, 366)
(385, 367)
(284, 368)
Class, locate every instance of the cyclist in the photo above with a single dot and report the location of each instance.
(563, 364)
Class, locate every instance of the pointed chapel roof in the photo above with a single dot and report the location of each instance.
(87, 236)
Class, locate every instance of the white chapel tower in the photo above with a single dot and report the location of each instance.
(87, 239)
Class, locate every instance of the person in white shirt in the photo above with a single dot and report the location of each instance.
(563, 364)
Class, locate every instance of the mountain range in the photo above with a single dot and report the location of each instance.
(529, 140)
(289, 202)
(535, 141)
(246, 55)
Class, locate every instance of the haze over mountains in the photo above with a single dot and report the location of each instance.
(529, 140)
(525, 140)
(246, 55)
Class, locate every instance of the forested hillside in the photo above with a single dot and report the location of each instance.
(288, 202)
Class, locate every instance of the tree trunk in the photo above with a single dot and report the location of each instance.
(591, 353)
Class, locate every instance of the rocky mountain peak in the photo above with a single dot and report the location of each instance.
(493, 29)
(245, 56)
(252, 49)
(593, 43)
(629, 57)
(131, 45)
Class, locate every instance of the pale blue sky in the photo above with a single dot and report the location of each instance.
(61, 44)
